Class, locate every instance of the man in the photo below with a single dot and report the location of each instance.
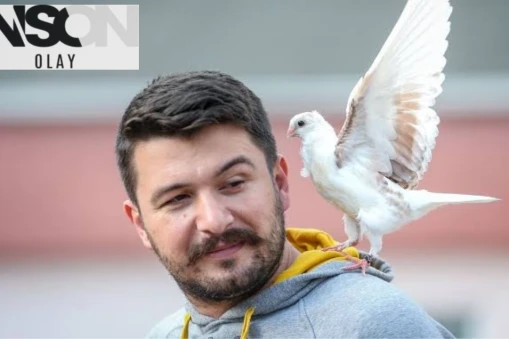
(207, 192)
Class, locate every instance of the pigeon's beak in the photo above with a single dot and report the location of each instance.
(291, 132)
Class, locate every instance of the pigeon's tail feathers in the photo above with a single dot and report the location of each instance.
(427, 201)
(450, 198)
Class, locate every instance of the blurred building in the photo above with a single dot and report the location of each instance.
(70, 263)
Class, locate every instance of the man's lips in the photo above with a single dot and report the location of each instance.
(224, 251)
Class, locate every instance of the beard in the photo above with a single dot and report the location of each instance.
(240, 280)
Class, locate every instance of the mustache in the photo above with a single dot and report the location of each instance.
(230, 237)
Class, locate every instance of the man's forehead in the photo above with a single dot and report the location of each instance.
(206, 151)
(226, 136)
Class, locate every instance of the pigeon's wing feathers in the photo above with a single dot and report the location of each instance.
(390, 127)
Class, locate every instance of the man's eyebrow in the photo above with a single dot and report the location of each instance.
(161, 191)
(173, 187)
(241, 159)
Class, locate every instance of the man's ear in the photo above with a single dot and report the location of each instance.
(134, 216)
(281, 179)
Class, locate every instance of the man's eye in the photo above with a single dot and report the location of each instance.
(177, 199)
(237, 184)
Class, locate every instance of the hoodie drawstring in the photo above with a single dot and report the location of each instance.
(247, 322)
(185, 330)
(245, 326)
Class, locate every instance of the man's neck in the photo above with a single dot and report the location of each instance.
(216, 310)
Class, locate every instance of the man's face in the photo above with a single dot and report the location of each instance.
(211, 210)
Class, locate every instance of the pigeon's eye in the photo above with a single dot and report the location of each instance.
(301, 123)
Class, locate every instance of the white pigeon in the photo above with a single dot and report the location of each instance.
(371, 169)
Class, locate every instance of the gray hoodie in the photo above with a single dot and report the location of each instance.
(324, 302)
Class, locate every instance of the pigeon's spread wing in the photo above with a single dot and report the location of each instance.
(390, 127)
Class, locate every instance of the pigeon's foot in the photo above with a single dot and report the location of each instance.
(362, 264)
(358, 263)
(339, 248)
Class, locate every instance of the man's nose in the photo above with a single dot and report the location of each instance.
(212, 215)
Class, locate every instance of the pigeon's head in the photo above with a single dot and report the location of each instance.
(303, 123)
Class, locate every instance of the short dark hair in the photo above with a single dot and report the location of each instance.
(180, 105)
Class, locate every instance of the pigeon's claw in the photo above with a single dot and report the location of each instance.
(339, 247)
(362, 264)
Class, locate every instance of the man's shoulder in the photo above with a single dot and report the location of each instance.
(381, 308)
(170, 326)
(354, 291)
(352, 288)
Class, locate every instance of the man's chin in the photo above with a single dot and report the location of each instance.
(226, 281)
(225, 269)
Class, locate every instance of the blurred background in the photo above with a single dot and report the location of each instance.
(72, 266)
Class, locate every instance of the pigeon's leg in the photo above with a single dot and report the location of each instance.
(375, 241)
(353, 232)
